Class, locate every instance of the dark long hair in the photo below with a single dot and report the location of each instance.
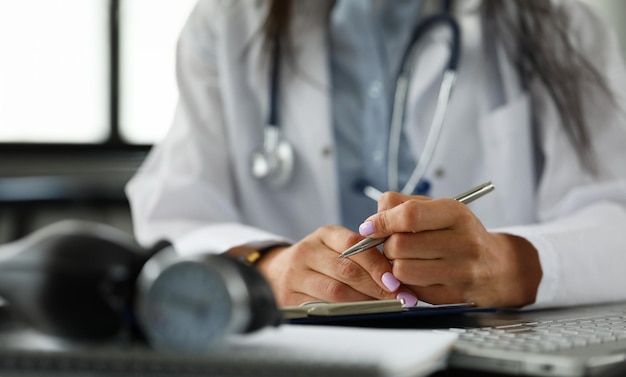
(541, 49)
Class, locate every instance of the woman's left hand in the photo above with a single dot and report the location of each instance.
(442, 252)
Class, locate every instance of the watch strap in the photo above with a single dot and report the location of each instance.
(249, 255)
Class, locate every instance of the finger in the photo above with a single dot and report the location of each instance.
(414, 216)
(378, 268)
(350, 273)
(407, 296)
(297, 298)
(426, 273)
(442, 295)
(369, 272)
(392, 199)
(325, 288)
(431, 244)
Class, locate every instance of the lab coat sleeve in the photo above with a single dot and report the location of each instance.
(581, 233)
(183, 192)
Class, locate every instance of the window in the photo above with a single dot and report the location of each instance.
(71, 73)
(148, 35)
(59, 70)
(53, 71)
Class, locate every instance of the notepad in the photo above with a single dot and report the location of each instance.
(354, 351)
(328, 309)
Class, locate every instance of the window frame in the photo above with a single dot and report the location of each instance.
(114, 142)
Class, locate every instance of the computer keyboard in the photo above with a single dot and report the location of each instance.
(547, 335)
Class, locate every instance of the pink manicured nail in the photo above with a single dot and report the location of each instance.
(409, 299)
(390, 281)
(366, 228)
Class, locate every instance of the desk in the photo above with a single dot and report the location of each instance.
(14, 334)
(619, 371)
(519, 329)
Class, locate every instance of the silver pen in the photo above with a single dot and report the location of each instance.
(465, 198)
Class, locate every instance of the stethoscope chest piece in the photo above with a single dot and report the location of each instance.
(273, 163)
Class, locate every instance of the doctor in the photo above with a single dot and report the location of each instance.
(536, 108)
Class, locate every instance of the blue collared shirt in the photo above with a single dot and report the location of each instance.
(367, 39)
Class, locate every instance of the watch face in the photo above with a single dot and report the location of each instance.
(187, 307)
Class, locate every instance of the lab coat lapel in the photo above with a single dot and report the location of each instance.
(447, 172)
(307, 108)
(431, 56)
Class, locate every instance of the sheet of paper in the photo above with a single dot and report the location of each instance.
(283, 351)
(388, 352)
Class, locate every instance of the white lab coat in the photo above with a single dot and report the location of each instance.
(195, 187)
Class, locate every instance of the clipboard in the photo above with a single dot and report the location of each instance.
(376, 313)
(327, 309)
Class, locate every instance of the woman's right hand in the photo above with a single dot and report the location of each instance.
(311, 270)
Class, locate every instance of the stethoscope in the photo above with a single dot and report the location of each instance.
(273, 162)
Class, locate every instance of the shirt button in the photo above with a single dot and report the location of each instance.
(375, 89)
(378, 157)
(327, 151)
(440, 172)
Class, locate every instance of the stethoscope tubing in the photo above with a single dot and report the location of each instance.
(445, 92)
(276, 157)
(400, 101)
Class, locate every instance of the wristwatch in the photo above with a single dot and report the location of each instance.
(251, 255)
